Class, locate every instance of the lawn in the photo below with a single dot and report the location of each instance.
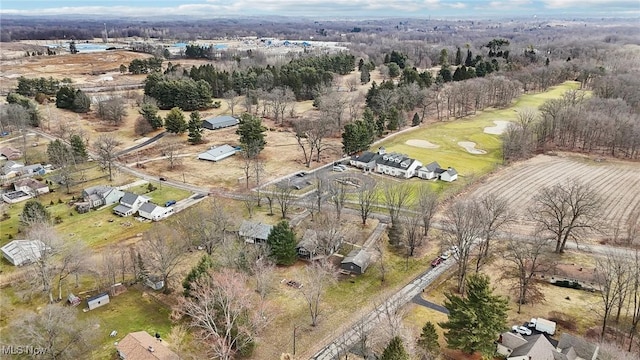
(447, 135)
(161, 194)
(133, 310)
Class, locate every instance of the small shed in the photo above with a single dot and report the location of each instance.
(155, 282)
(219, 122)
(218, 153)
(73, 300)
(95, 302)
(254, 233)
(356, 261)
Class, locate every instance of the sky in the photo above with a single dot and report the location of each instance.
(326, 9)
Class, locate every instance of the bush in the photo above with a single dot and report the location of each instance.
(57, 220)
(51, 203)
(150, 187)
(59, 201)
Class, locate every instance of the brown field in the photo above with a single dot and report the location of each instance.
(617, 183)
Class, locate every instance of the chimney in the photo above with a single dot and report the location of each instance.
(382, 150)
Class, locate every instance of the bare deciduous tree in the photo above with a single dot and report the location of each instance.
(105, 148)
(112, 109)
(565, 211)
(57, 332)
(337, 191)
(44, 267)
(171, 151)
(525, 261)
(283, 194)
(612, 275)
(412, 234)
(495, 214)
(164, 249)
(71, 261)
(206, 225)
(464, 222)
(427, 206)
(396, 198)
(367, 200)
(223, 311)
(317, 277)
(231, 99)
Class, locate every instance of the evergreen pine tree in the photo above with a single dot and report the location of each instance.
(150, 113)
(282, 241)
(195, 128)
(476, 320)
(458, 57)
(428, 340)
(416, 120)
(174, 122)
(365, 75)
(395, 350)
(251, 133)
(196, 273)
(78, 148)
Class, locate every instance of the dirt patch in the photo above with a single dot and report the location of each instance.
(422, 144)
(471, 147)
(499, 129)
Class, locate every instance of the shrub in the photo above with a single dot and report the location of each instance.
(57, 220)
(51, 203)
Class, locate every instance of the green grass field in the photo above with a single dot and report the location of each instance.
(447, 135)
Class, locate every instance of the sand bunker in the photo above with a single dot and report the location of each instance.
(471, 147)
(500, 127)
(422, 144)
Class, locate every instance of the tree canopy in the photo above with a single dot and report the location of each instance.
(282, 241)
(475, 321)
(252, 135)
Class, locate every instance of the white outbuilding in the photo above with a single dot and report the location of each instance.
(218, 153)
(21, 252)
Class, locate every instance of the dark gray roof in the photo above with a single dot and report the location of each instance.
(97, 297)
(512, 340)
(255, 230)
(392, 160)
(535, 345)
(451, 171)
(97, 190)
(359, 257)
(130, 198)
(148, 207)
(581, 347)
(432, 166)
(121, 209)
(221, 121)
(367, 157)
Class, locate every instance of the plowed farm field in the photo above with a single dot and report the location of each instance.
(617, 184)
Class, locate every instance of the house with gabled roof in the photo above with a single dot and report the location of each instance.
(356, 262)
(101, 195)
(21, 252)
(576, 348)
(448, 175)
(397, 165)
(130, 203)
(316, 245)
(31, 170)
(367, 160)
(11, 168)
(154, 212)
(31, 186)
(428, 171)
(254, 233)
(142, 346)
(10, 153)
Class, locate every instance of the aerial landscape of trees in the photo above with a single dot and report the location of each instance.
(514, 216)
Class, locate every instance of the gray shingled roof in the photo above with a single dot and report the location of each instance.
(221, 121)
(359, 257)
(255, 230)
(534, 345)
(432, 166)
(582, 348)
(121, 209)
(148, 207)
(391, 160)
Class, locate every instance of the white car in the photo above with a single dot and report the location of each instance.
(338, 169)
(522, 330)
(445, 255)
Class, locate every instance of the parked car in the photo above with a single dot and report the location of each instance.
(198, 196)
(301, 174)
(342, 166)
(522, 330)
(437, 261)
(169, 203)
(163, 178)
(445, 255)
(338, 169)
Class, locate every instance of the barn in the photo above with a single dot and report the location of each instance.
(95, 302)
(219, 122)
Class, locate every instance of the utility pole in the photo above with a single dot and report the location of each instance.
(106, 34)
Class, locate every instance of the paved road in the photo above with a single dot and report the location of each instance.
(142, 144)
(418, 299)
(349, 338)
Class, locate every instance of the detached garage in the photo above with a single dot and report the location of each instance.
(219, 122)
(356, 262)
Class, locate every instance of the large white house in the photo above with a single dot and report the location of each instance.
(401, 166)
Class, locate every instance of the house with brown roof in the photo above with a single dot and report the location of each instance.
(142, 346)
(31, 186)
(10, 153)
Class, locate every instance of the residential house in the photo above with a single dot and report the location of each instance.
(31, 186)
(32, 170)
(448, 175)
(514, 346)
(154, 212)
(101, 195)
(10, 153)
(130, 203)
(142, 346)
(428, 171)
(356, 262)
(218, 153)
(219, 122)
(11, 169)
(13, 197)
(20, 252)
(318, 244)
(367, 160)
(572, 348)
(254, 233)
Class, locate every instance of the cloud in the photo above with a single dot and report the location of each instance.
(581, 4)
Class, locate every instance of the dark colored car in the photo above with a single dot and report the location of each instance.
(163, 178)
(198, 196)
(169, 203)
(437, 261)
